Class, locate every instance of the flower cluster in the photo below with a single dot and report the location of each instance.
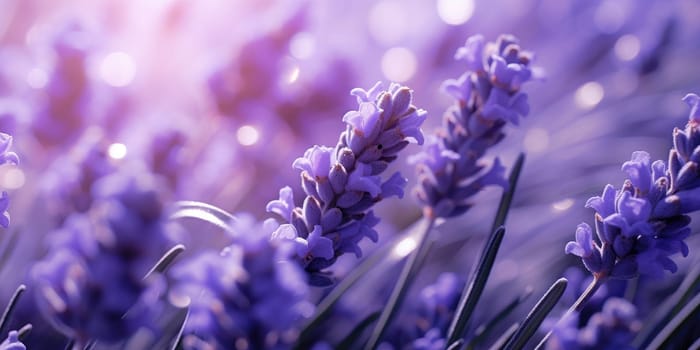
(612, 328)
(69, 185)
(488, 96)
(342, 183)
(92, 284)
(63, 105)
(643, 223)
(248, 297)
(438, 302)
(12, 342)
(6, 157)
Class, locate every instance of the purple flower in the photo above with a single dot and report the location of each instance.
(342, 183)
(63, 106)
(91, 284)
(642, 224)
(614, 327)
(449, 173)
(12, 342)
(432, 340)
(251, 293)
(69, 182)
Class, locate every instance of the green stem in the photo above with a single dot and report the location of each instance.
(400, 289)
(577, 306)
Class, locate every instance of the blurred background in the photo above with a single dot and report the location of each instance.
(219, 97)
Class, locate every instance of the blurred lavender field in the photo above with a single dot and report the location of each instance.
(121, 110)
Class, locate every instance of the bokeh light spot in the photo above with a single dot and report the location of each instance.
(12, 178)
(455, 12)
(536, 140)
(405, 247)
(37, 78)
(627, 47)
(610, 16)
(117, 151)
(247, 135)
(563, 204)
(589, 95)
(118, 69)
(399, 64)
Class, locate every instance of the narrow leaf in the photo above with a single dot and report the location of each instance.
(484, 330)
(473, 290)
(177, 342)
(166, 260)
(668, 309)
(695, 345)
(537, 315)
(674, 326)
(23, 332)
(11, 307)
(456, 345)
(326, 305)
(507, 197)
(406, 278)
(205, 212)
(351, 339)
(500, 343)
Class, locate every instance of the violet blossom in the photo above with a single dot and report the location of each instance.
(640, 225)
(344, 182)
(92, 285)
(250, 295)
(488, 97)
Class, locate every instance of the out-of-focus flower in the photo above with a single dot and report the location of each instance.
(251, 294)
(12, 342)
(91, 285)
(69, 182)
(612, 328)
(488, 96)
(343, 183)
(63, 106)
(640, 225)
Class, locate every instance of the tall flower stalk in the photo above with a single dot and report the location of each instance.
(639, 226)
(342, 183)
(92, 286)
(487, 97)
(249, 296)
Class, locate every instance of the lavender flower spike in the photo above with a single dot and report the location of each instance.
(612, 328)
(642, 224)
(488, 97)
(91, 285)
(342, 183)
(249, 296)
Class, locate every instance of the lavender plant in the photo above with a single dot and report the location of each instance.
(251, 295)
(613, 327)
(92, 285)
(343, 183)
(254, 294)
(639, 226)
(487, 97)
(63, 107)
